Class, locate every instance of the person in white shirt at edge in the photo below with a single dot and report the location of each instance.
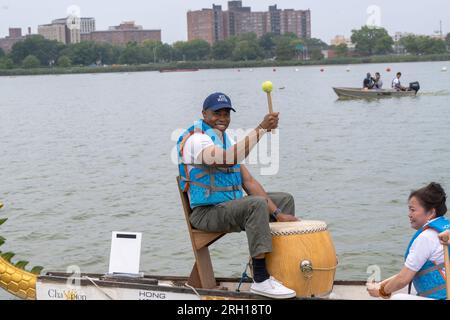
(396, 83)
(220, 161)
(424, 265)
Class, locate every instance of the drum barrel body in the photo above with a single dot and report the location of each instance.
(305, 263)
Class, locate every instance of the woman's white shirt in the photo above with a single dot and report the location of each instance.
(425, 247)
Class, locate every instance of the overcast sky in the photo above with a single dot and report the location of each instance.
(329, 17)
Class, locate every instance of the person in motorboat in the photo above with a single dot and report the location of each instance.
(396, 83)
(378, 83)
(368, 82)
(424, 258)
(214, 178)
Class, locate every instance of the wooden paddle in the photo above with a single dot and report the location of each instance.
(447, 270)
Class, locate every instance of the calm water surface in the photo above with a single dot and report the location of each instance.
(85, 155)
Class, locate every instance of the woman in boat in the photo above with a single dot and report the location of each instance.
(424, 259)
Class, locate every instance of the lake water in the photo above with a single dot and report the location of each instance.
(85, 155)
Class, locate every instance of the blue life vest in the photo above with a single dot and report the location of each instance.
(430, 280)
(208, 185)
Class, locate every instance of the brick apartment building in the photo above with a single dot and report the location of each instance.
(123, 34)
(216, 24)
(15, 35)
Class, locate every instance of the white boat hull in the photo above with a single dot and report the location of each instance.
(56, 286)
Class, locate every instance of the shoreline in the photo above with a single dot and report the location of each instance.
(207, 65)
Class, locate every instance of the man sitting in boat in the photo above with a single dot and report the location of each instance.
(396, 83)
(378, 83)
(424, 265)
(368, 82)
(212, 175)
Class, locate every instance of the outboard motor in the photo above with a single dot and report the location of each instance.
(414, 86)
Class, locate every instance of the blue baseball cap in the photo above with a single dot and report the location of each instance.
(218, 101)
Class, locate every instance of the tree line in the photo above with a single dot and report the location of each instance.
(35, 51)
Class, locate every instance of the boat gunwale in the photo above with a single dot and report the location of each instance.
(57, 277)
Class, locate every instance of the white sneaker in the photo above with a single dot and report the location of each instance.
(272, 288)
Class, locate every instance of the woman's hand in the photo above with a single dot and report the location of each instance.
(374, 289)
(444, 237)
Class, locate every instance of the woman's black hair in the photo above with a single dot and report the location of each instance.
(432, 197)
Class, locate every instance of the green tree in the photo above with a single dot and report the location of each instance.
(420, 45)
(87, 53)
(31, 62)
(315, 43)
(150, 51)
(132, 54)
(247, 50)
(156, 52)
(370, 41)
(6, 63)
(64, 62)
(411, 44)
(46, 51)
(316, 54)
(2, 53)
(165, 53)
(193, 50)
(286, 48)
(448, 40)
(223, 50)
(268, 43)
(341, 50)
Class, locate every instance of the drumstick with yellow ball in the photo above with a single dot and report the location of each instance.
(268, 88)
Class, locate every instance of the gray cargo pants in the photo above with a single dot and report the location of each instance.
(250, 214)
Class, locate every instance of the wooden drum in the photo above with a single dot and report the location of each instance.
(303, 257)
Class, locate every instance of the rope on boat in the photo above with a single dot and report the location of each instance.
(99, 289)
(193, 289)
(244, 277)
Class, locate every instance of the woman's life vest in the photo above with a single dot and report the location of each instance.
(430, 280)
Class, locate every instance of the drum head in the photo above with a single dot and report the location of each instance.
(300, 227)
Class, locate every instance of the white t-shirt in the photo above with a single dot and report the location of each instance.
(396, 83)
(425, 247)
(194, 147)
